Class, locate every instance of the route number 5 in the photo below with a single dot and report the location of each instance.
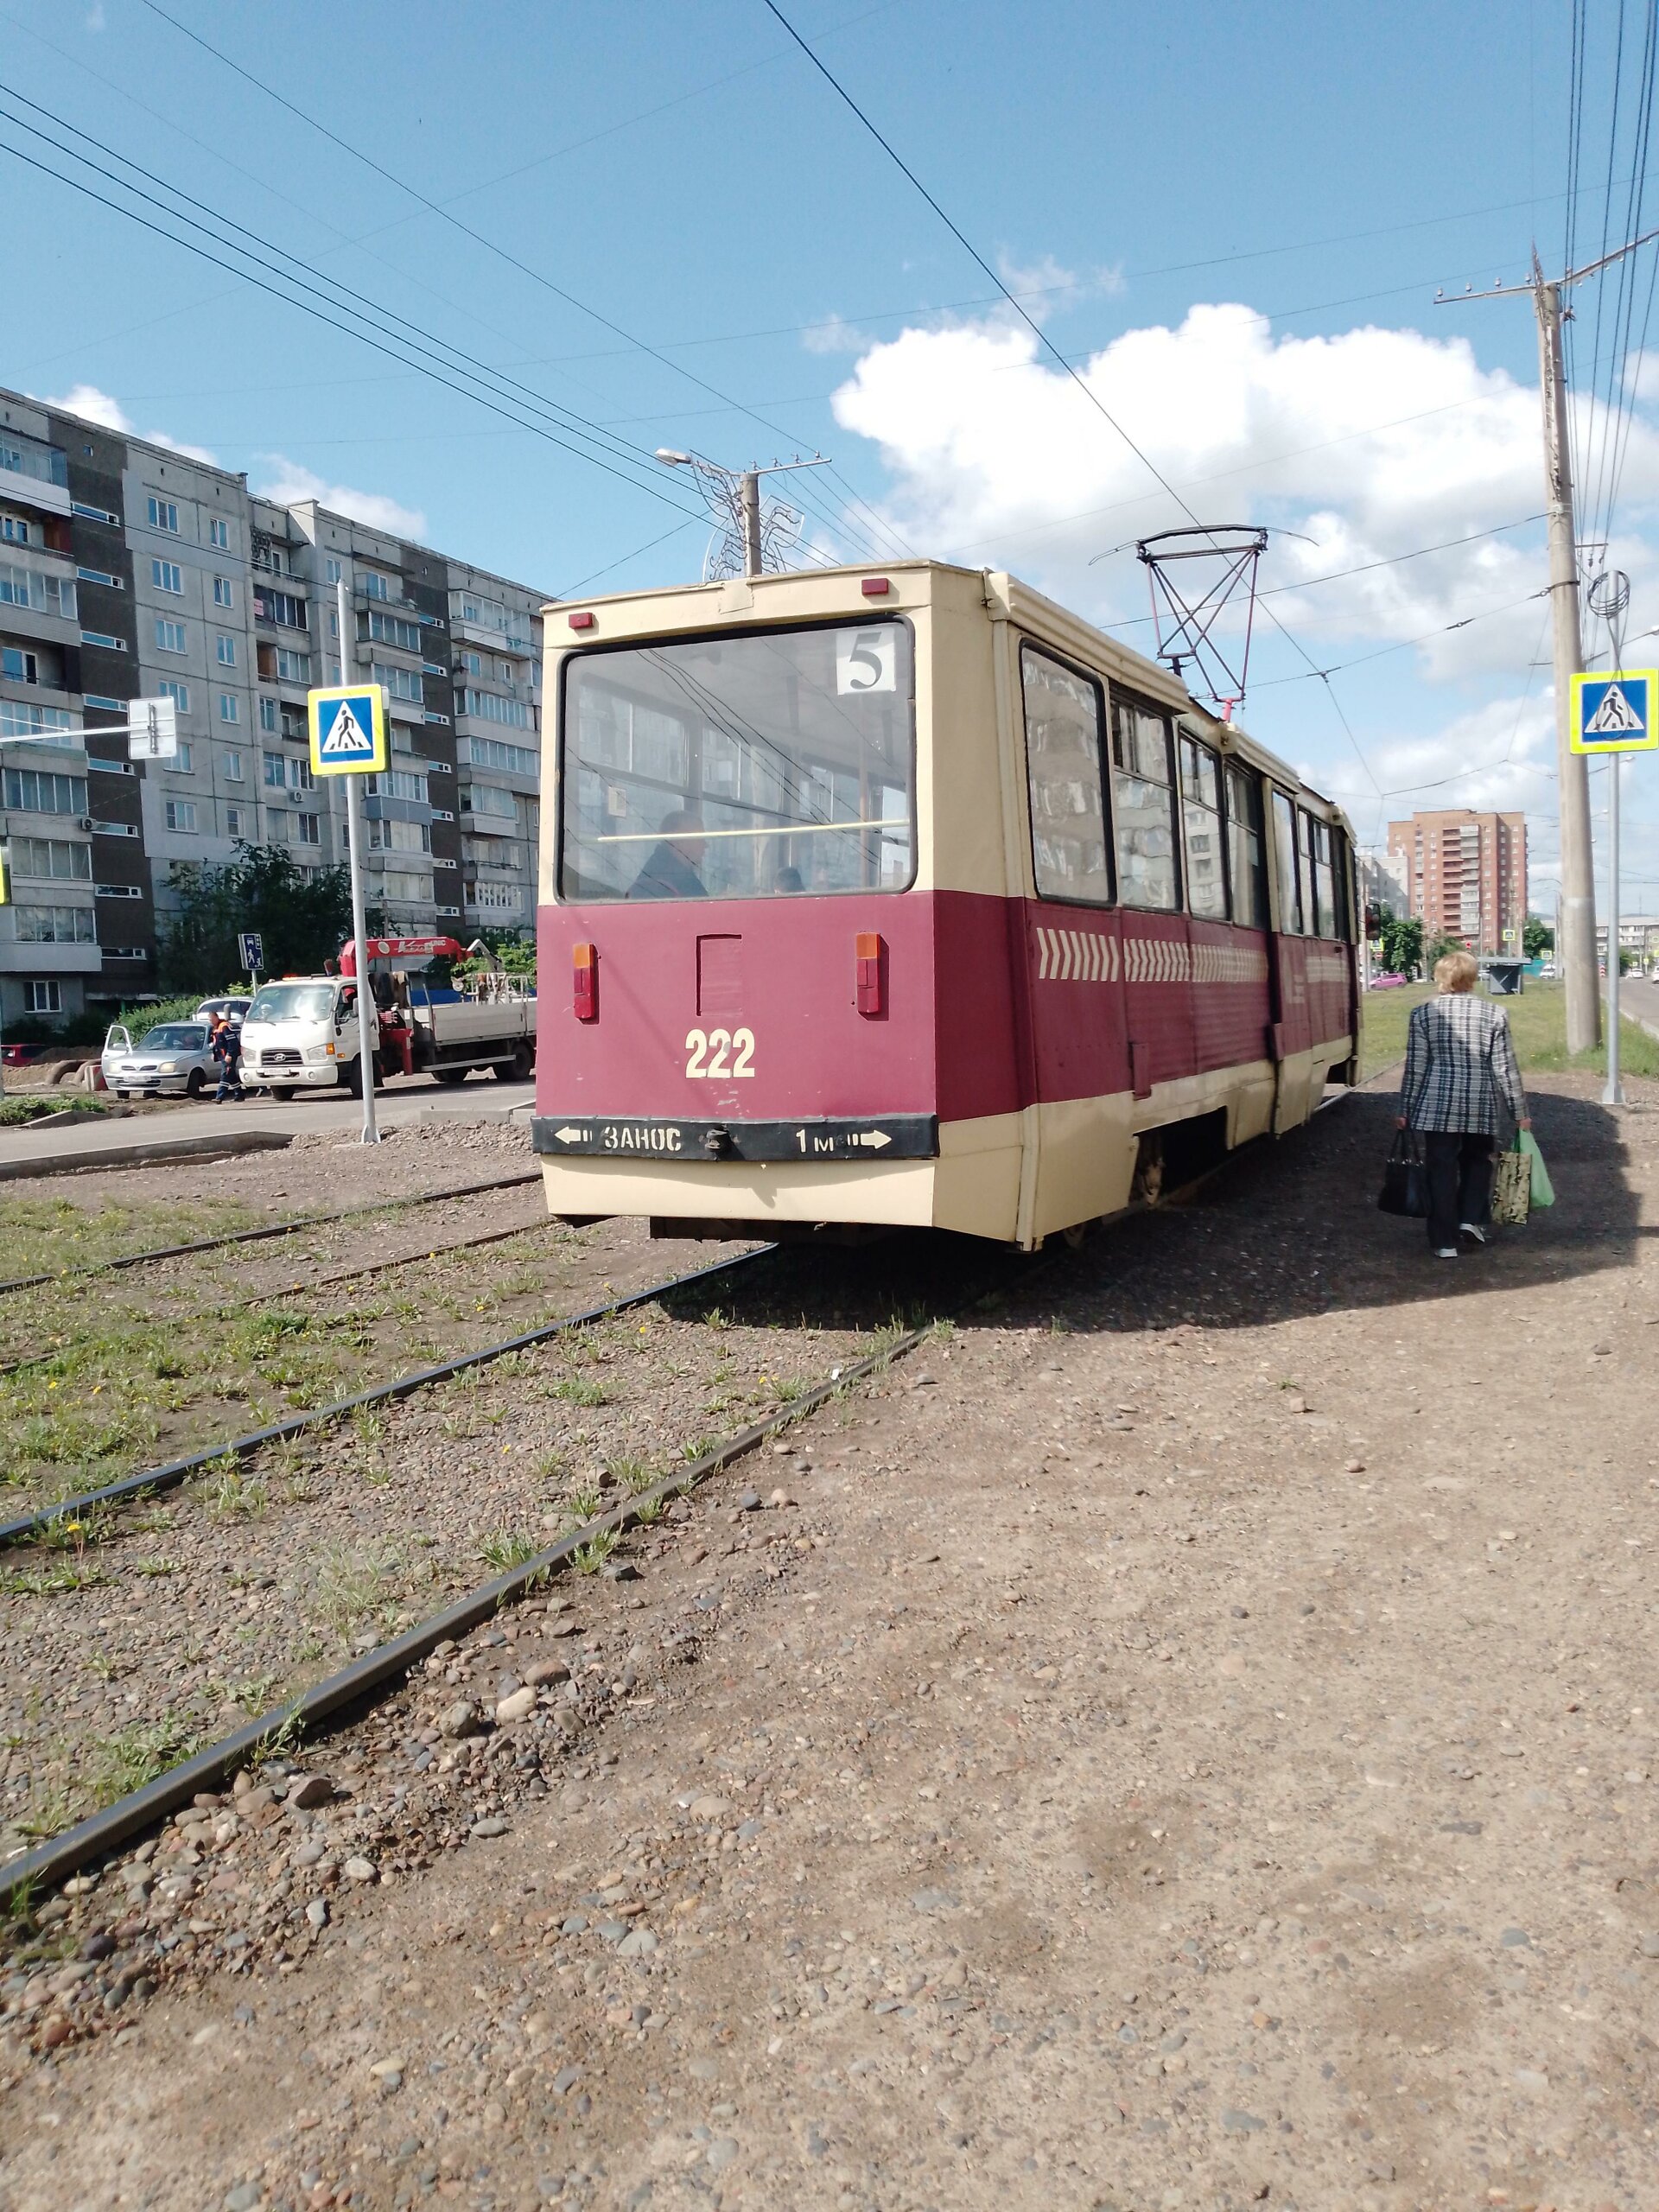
(715, 1045)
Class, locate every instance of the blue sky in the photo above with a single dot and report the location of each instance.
(1233, 221)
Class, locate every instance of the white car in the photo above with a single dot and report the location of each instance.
(174, 1057)
(234, 1010)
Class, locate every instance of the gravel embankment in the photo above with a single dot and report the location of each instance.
(1190, 1745)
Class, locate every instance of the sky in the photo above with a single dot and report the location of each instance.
(644, 225)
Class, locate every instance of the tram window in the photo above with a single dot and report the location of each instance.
(1063, 764)
(739, 768)
(1316, 871)
(1244, 848)
(1206, 873)
(1143, 802)
(1341, 875)
(1290, 895)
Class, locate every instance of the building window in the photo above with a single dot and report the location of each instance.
(293, 667)
(397, 783)
(399, 837)
(104, 638)
(167, 575)
(182, 761)
(118, 890)
(232, 766)
(163, 515)
(224, 592)
(375, 586)
(400, 683)
(36, 791)
(14, 530)
(229, 707)
(45, 997)
(1143, 795)
(21, 666)
(309, 828)
(392, 630)
(52, 858)
(1068, 807)
(55, 926)
(178, 692)
(169, 637)
(492, 753)
(180, 814)
(226, 648)
(282, 773)
(286, 608)
(37, 590)
(219, 533)
(233, 816)
(268, 716)
(331, 569)
(100, 576)
(489, 707)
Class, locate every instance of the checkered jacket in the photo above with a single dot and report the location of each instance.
(1460, 1066)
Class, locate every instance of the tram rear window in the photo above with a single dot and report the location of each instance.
(740, 767)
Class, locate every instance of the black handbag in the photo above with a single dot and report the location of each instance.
(1405, 1178)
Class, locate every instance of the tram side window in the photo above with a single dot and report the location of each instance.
(1315, 840)
(1143, 800)
(1244, 848)
(1063, 764)
(1342, 869)
(1290, 895)
(1206, 870)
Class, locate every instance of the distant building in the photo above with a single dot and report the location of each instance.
(1465, 875)
(129, 571)
(1382, 882)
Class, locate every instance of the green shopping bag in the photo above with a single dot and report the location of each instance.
(1543, 1191)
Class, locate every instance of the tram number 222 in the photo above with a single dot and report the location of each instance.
(705, 1054)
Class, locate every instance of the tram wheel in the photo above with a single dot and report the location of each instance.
(1147, 1189)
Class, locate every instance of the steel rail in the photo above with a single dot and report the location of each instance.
(275, 1228)
(387, 1667)
(175, 1471)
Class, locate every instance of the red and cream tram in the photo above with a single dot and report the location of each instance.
(912, 899)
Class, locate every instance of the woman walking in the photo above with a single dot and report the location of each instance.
(1461, 1080)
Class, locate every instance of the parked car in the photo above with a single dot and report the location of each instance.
(175, 1056)
(20, 1056)
(232, 1009)
(1387, 982)
(1547, 969)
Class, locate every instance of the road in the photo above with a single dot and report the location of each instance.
(406, 1099)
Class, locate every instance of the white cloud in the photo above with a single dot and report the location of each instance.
(1372, 442)
(833, 335)
(1044, 285)
(96, 19)
(289, 483)
(86, 399)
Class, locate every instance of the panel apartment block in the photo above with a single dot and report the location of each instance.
(129, 570)
(1466, 874)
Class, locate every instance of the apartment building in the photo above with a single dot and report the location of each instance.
(129, 570)
(1466, 874)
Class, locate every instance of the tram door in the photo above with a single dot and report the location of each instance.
(1291, 1031)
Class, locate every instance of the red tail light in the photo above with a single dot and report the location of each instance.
(872, 970)
(584, 978)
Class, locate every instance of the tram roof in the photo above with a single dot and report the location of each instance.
(1004, 594)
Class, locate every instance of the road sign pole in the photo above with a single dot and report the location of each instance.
(366, 1023)
(1612, 1094)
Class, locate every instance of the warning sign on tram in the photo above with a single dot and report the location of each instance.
(1617, 713)
(885, 1136)
(348, 729)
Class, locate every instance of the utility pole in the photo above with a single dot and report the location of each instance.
(1610, 595)
(753, 563)
(1575, 937)
(733, 497)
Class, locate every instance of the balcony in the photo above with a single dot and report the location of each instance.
(34, 475)
(518, 643)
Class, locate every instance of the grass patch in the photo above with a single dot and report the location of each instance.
(353, 1583)
(588, 1558)
(507, 1548)
(583, 1501)
(633, 1475)
(52, 1236)
(1538, 1022)
(52, 1581)
(135, 1756)
(578, 1390)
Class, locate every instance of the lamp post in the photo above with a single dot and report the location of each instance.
(734, 496)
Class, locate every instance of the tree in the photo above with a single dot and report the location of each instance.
(302, 917)
(1536, 937)
(1402, 945)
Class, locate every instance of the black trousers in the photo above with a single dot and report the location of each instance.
(1460, 1163)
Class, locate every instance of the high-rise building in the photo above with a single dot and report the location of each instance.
(1466, 874)
(129, 571)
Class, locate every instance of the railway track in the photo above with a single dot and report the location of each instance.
(264, 1234)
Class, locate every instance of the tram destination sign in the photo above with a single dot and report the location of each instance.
(885, 1136)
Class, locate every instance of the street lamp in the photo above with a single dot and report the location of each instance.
(734, 495)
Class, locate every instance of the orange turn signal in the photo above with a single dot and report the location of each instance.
(871, 967)
(584, 977)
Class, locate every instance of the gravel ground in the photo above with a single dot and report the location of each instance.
(1190, 1745)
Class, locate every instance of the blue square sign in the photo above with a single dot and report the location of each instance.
(348, 729)
(1615, 713)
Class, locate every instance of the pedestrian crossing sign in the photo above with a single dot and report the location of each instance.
(1617, 713)
(348, 729)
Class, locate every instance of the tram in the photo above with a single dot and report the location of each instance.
(910, 899)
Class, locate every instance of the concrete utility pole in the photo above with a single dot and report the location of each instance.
(753, 563)
(1575, 948)
(1575, 935)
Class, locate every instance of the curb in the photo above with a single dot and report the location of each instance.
(221, 1146)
